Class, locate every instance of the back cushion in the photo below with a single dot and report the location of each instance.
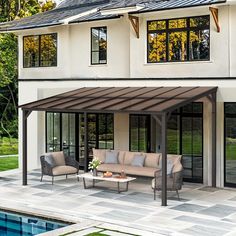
(176, 160)
(59, 158)
(121, 157)
(99, 154)
(129, 157)
(152, 160)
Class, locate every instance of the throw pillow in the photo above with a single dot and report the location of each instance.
(169, 166)
(111, 157)
(50, 160)
(138, 160)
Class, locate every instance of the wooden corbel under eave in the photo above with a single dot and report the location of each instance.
(135, 23)
(214, 12)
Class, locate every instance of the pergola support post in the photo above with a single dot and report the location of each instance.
(25, 115)
(85, 142)
(164, 159)
(213, 103)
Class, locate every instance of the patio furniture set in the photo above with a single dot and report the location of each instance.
(118, 164)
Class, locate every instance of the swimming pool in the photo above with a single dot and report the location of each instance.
(20, 225)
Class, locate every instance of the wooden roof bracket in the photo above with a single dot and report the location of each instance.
(135, 23)
(214, 12)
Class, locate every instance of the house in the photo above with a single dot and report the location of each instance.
(178, 53)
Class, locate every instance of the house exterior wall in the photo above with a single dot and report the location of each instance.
(127, 59)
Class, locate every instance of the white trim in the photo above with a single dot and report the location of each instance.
(71, 18)
(122, 10)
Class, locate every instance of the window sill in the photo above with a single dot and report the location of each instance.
(98, 65)
(177, 63)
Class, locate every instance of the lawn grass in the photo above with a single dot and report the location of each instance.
(8, 146)
(8, 163)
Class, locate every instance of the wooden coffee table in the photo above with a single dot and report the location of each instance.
(118, 181)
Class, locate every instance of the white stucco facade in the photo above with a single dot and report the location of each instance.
(126, 58)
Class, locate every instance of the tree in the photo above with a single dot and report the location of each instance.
(10, 10)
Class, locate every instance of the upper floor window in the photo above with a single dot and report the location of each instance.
(183, 39)
(40, 50)
(98, 45)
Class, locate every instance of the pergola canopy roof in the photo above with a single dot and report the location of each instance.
(150, 100)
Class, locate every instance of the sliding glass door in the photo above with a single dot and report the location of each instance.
(65, 131)
(230, 144)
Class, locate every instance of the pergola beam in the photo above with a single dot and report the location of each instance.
(215, 14)
(135, 24)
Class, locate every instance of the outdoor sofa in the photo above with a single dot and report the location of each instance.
(151, 167)
(57, 164)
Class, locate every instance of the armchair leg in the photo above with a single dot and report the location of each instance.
(41, 178)
(154, 190)
(77, 176)
(52, 179)
(177, 194)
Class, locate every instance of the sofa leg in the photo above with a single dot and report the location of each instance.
(66, 176)
(41, 178)
(177, 194)
(52, 179)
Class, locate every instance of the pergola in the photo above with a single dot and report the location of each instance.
(156, 101)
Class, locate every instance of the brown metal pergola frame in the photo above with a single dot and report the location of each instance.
(157, 101)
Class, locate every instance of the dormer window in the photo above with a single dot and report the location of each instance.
(98, 45)
(40, 50)
(177, 40)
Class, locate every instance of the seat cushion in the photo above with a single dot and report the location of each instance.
(115, 168)
(59, 158)
(152, 160)
(140, 171)
(63, 170)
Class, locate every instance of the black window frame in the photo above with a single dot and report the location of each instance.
(39, 50)
(91, 45)
(168, 31)
(148, 132)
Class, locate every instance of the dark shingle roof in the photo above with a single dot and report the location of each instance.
(70, 8)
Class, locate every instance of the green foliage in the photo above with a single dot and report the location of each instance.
(10, 10)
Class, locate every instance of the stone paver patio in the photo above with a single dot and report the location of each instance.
(202, 210)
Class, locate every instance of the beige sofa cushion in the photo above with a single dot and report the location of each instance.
(140, 171)
(115, 168)
(129, 157)
(152, 160)
(59, 158)
(63, 170)
(121, 157)
(100, 154)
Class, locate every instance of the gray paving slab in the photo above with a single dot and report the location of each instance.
(186, 207)
(218, 211)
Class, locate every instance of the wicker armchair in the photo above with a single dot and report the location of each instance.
(57, 164)
(174, 182)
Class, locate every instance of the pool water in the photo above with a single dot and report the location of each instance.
(18, 225)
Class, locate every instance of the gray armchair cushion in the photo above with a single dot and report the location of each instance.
(169, 166)
(50, 160)
(64, 170)
(111, 157)
(138, 160)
